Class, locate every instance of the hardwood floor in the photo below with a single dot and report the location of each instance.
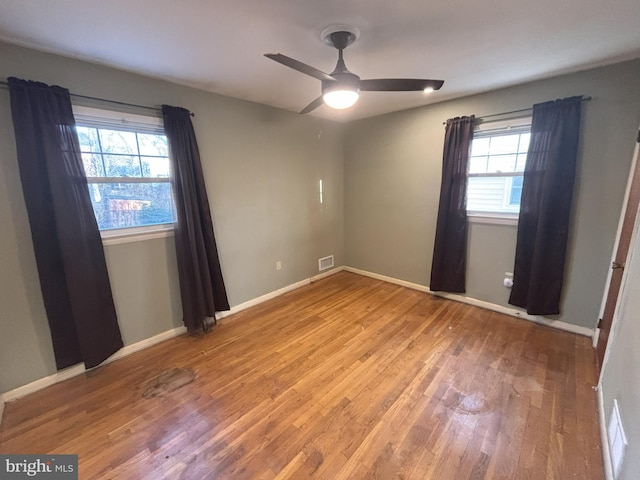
(347, 378)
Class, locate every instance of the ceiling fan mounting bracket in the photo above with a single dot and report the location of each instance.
(339, 36)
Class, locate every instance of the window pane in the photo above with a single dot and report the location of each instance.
(477, 164)
(494, 194)
(92, 165)
(88, 139)
(155, 167)
(480, 146)
(155, 145)
(116, 141)
(521, 162)
(486, 194)
(122, 166)
(501, 163)
(122, 205)
(516, 191)
(524, 142)
(504, 144)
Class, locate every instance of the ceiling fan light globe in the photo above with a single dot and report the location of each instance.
(340, 99)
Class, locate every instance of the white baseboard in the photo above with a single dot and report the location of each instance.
(263, 298)
(146, 343)
(275, 293)
(79, 369)
(44, 382)
(328, 273)
(384, 278)
(568, 327)
(596, 336)
(604, 436)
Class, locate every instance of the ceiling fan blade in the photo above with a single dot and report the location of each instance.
(312, 106)
(398, 84)
(299, 66)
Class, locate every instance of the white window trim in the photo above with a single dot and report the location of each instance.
(110, 119)
(492, 218)
(117, 236)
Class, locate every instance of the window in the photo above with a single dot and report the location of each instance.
(126, 162)
(496, 168)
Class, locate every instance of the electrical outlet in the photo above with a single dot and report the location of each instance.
(278, 265)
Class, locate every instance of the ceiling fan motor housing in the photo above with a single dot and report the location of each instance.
(344, 80)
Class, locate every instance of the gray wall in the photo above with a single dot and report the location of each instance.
(262, 166)
(392, 182)
(621, 374)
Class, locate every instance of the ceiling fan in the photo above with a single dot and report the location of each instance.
(341, 88)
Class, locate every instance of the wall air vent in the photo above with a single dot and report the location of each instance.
(325, 263)
(617, 440)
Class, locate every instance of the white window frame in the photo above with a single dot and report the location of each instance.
(99, 118)
(485, 129)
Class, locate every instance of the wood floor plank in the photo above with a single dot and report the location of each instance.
(345, 378)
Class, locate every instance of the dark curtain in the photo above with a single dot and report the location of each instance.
(201, 284)
(450, 250)
(67, 244)
(545, 207)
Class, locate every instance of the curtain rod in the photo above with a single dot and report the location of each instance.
(115, 102)
(522, 110)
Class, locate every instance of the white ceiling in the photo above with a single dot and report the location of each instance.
(218, 45)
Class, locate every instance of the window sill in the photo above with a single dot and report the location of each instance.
(493, 218)
(137, 234)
